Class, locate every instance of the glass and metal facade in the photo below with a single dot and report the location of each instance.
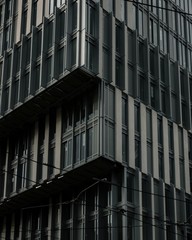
(96, 119)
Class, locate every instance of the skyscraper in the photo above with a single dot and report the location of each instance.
(95, 119)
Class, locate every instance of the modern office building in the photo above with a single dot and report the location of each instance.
(96, 119)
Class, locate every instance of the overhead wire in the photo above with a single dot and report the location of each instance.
(14, 174)
(160, 225)
(101, 180)
(114, 208)
(38, 162)
(159, 7)
(141, 191)
(110, 209)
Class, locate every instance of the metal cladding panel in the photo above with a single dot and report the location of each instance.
(131, 22)
(108, 5)
(118, 125)
(131, 134)
(143, 138)
(40, 11)
(155, 145)
(125, 59)
(46, 149)
(29, 19)
(19, 20)
(166, 151)
(113, 51)
(186, 162)
(58, 140)
(100, 39)
(46, 7)
(33, 165)
(176, 155)
(119, 10)
(82, 34)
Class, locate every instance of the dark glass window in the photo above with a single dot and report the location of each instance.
(27, 51)
(145, 194)
(160, 131)
(106, 27)
(91, 20)
(149, 125)
(149, 158)
(124, 147)
(18, 55)
(37, 77)
(137, 118)
(49, 69)
(1, 14)
(190, 175)
(62, 25)
(26, 85)
(7, 37)
(162, 69)
(73, 51)
(118, 73)
(24, 22)
(152, 62)
(6, 98)
(118, 39)
(50, 34)
(152, 92)
(130, 187)
(8, 8)
(163, 101)
(124, 111)
(180, 133)
(170, 135)
(142, 88)
(74, 15)
(35, 13)
(182, 81)
(141, 55)
(38, 47)
(161, 165)
(1, 68)
(137, 153)
(61, 60)
(8, 66)
(172, 169)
